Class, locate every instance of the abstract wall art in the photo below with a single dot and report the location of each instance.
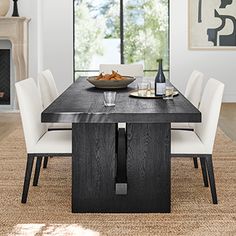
(212, 24)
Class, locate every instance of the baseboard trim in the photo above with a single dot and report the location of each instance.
(9, 111)
(229, 98)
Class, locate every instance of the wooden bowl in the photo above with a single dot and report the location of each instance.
(111, 84)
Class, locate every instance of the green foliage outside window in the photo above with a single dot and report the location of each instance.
(145, 30)
(89, 33)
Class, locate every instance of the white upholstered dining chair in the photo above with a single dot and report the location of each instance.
(48, 88)
(193, 93)
(193, 89)
(135, 70)
(39, 141)
(199, 143)
(49, 93)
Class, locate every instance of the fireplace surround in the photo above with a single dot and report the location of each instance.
(15, 29)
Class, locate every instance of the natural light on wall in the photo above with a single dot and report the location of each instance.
(52, 229)
(114, 32)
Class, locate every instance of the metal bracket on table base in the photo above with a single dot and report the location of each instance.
(121, 188)
(121, 173)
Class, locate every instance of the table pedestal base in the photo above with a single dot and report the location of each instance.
(94, 165)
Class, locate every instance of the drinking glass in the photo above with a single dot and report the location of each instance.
(152, 87)
(142, 89)
(109, 98)
(169, 92)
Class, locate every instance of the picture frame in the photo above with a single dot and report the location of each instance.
(212, 24)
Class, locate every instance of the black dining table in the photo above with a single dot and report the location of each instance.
(119, 170)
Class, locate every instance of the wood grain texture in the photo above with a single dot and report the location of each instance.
(94, 168)
(148, 166)
(81, 103)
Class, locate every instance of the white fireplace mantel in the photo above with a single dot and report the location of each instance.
(15, 29)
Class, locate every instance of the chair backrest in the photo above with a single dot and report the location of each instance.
(30, 109)
(210, 108)
(193, 90)
(47, 87)
(123, 69)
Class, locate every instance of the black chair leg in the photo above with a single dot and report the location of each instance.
(204, 171)
(211, 178)
(28, 172)
(195, 162)
(45, 162)
(37, 171)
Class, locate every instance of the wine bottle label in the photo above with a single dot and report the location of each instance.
(160, 88)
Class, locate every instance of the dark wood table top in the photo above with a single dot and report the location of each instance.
(83, 103)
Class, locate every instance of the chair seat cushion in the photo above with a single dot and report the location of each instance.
(60, 126)
(186, 142)
(182, 125)
(54, 142)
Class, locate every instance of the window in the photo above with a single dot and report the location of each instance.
(120, 31)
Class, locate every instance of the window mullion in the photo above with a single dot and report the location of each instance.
(122, 32)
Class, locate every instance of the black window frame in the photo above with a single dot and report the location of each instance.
(121, 40)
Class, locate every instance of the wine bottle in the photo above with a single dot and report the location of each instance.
(160, 81)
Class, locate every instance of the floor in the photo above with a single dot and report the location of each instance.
(227, 121)
(8, 123)
(48, 210)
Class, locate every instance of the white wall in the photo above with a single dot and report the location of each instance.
(50, 38)
(52, 25)
(216, 63)
(57, 44)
